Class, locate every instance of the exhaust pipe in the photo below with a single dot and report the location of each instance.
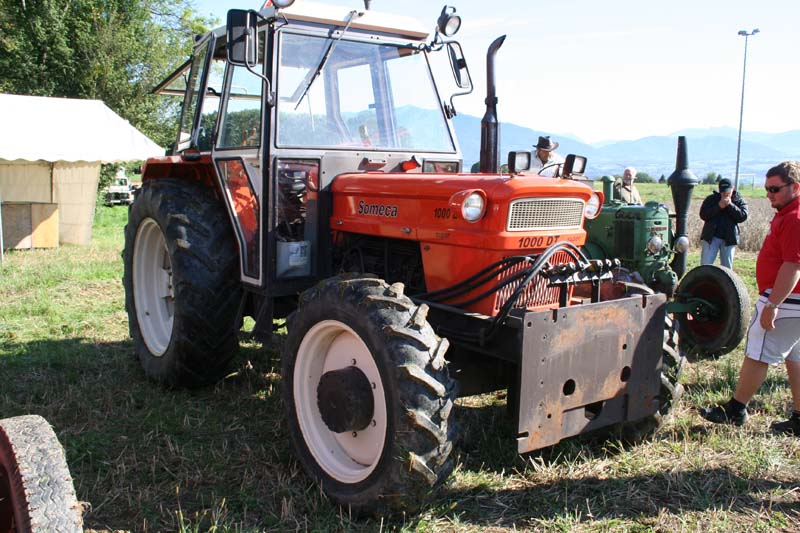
(682, 182)
(490, 128)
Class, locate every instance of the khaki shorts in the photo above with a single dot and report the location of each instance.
(783, 342)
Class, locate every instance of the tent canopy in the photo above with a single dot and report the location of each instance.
(63, 129)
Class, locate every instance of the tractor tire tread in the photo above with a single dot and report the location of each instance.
(423, 435)
(205, 269)
(42, 491)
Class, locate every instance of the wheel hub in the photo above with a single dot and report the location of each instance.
(345, 399)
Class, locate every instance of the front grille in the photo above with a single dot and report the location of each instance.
(530, 214)
(625, 235)
(537, 293)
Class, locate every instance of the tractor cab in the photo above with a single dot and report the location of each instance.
(283, 100)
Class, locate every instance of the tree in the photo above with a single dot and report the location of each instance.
(644, 177)
(110, 50)
(662, 179)
(711, 178)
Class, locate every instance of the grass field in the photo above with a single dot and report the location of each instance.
(218, 459)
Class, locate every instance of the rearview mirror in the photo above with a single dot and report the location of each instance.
(241, 31)
(459, 66)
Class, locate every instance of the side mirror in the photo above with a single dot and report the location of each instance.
(242, 29)
(459, 66)
(574, 165)
(519, 162)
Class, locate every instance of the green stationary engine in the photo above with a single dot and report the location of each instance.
(711, 303)
(640, 236)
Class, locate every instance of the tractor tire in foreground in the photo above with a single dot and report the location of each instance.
(367, 394)
(182, 290)
(721, 287)
(672, 365)
(36, 490)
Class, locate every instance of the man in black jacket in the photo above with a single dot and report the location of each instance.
(722, 213)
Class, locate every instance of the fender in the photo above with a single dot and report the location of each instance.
(194, 167)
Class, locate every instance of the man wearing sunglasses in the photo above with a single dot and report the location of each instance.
(722, 212)
(774, 333)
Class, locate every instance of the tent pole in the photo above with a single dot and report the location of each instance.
(1, 231)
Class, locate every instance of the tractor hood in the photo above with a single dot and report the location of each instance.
(428, 208)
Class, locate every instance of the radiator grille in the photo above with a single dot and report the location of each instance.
(538, 294)
(528, 214)
(625, 237)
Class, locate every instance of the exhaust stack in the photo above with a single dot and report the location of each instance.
(490, 128)
(682, 182)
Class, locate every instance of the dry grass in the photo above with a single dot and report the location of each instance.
(218, 459)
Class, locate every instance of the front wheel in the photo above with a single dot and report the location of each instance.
(182, 289)
(367, 394)
(717, 333)
(673, 361)
(36, 490)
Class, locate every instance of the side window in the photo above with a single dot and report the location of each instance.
(192, 96)
(241, 123)
(210, 110)
(241, 116)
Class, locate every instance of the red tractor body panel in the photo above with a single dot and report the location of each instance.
(427, 208)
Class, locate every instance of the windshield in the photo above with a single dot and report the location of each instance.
(367, 96)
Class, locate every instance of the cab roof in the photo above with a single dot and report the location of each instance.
(371, 21)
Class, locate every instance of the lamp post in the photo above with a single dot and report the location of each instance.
(741, 109)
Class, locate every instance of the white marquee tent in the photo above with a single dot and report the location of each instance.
(51, 150)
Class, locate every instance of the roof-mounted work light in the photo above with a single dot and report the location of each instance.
(448, 23)
(277, 4)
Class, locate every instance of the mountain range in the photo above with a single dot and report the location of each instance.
(709, 150)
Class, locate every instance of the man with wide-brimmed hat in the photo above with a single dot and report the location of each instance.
(548, 161)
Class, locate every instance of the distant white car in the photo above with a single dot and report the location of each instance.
(120, 192)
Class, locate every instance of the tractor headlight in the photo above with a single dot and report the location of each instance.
(592, 208)
(681, 244)
(655, 244)
(473, 207)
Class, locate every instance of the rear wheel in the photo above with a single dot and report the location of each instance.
(367, 394)
(182, 290)
(719, 334)
(36, 490)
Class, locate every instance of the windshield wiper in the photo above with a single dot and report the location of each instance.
(350, 17)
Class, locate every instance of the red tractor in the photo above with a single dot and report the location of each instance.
(317, 177)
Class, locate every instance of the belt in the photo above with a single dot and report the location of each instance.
(788, 300)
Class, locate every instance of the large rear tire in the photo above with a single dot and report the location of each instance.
(182, 290)
(720, 286)
(36, 490)
(360, 326)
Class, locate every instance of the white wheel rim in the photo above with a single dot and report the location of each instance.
(346, 457)
(154, 294)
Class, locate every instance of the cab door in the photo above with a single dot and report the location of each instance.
(237, 155)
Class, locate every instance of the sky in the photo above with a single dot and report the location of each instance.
(620, 69)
